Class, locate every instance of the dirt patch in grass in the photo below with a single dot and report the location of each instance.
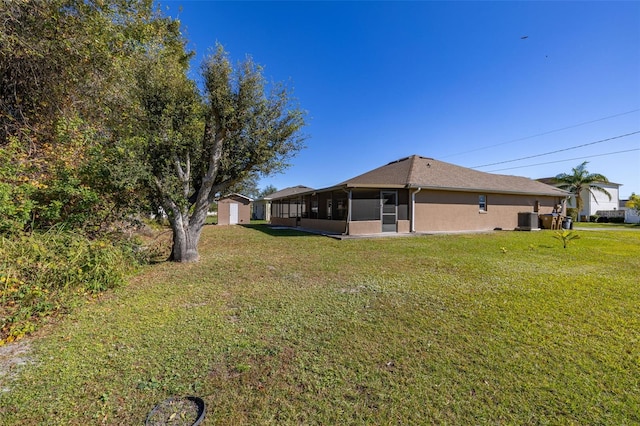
(12, 358)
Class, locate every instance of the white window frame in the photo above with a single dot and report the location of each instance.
(482, 203)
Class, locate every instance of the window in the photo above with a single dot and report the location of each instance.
(294, 208)
(365, 205)
(341, 209)
(482, 203)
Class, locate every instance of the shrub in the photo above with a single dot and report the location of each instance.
(573, 213)
(565, 237)
(44, 273)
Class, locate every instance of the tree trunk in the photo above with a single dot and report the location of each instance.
(185, 241)
(579, 206)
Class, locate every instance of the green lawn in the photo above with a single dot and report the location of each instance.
(279, 327)
(599, 225)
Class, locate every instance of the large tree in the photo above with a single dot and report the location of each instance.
(98, 116)
(580, 180)
(199, 145)
(67, 108)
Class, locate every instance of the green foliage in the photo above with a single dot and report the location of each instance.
(69, 112)
(199, 146)
(267, 190)
(44, 273)
(100, 121)
(579, 180)
(634, 202)
(566, 236)
(573, 213)
(16, 189)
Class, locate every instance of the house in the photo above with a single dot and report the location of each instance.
(234, 209)
(262, 206)
(596, 202)
(417, 194)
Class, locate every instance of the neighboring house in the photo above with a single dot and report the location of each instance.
(262, 207)
(596, 202)
(234, 209)
(417, 194)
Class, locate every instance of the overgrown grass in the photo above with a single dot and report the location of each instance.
(44, 273)
(278, 327)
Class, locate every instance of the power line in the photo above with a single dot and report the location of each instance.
(559, 150)
(544, 133)
(568, 159)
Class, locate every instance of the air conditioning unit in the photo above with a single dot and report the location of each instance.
(528, 221)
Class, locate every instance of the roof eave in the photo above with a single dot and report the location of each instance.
(373, 185)
(558, 193)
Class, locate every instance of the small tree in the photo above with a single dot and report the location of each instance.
(579, 180)
(199, 146)
(566, 236)
(634, 202)
(267, 190)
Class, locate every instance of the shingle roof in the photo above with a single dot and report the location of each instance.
(423, 172)
(287, 192)
(236, 195)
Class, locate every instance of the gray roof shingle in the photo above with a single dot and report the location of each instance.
(422, 172)
(287, 192)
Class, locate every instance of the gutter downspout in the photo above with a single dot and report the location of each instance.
(413, 209)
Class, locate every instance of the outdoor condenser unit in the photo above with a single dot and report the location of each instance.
(528, 221)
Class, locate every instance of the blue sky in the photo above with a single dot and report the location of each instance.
(470, 83)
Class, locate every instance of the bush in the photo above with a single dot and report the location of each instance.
(44, 273)
(573, 213)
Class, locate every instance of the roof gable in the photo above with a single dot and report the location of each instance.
(235, 195)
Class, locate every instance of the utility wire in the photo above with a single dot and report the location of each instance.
(559, 150)
(543, 133)
(562, 161)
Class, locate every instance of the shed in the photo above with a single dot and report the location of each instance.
(234, 209)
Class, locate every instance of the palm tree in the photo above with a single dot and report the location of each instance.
(579, 180)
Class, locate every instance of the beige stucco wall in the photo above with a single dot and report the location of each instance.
(404, 226)
(459, 211)
(364, 227)
(244, 210)
(262, 210)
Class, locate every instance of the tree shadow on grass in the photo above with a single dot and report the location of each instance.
(283, 231)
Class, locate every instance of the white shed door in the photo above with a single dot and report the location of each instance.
(233, 214)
